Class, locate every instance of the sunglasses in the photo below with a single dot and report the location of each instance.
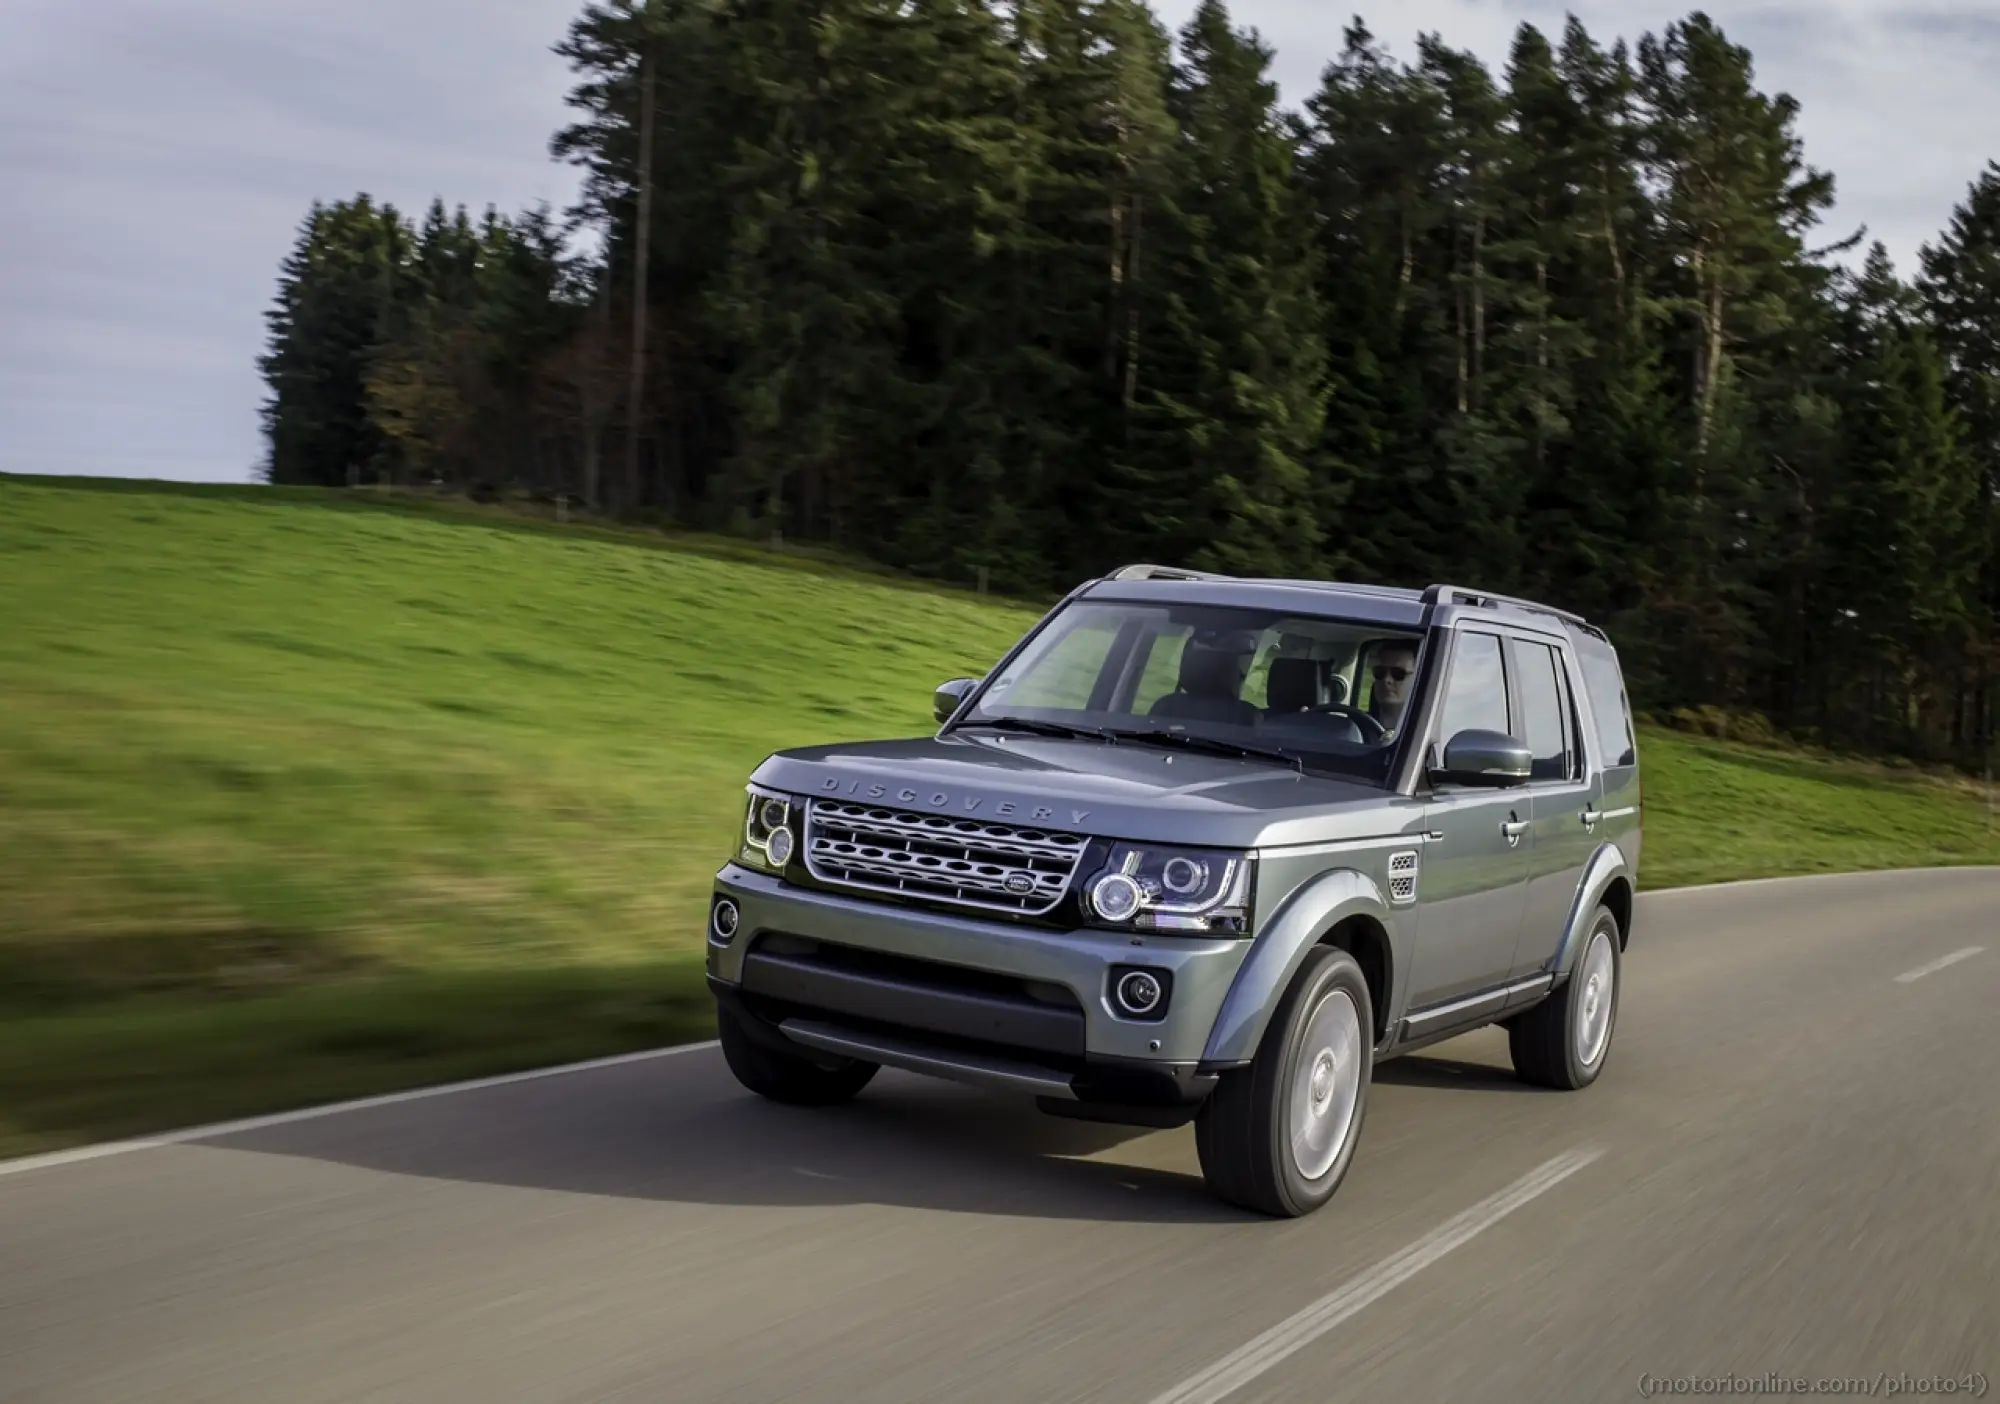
(1385, 672)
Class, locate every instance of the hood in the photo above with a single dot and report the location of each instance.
(1124, 791)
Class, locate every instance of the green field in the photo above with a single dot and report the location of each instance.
(302, 798)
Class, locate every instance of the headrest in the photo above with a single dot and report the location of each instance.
(1293, 683)
(1211, 672)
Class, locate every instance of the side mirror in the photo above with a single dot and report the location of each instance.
(1489, 758)
(949, 696)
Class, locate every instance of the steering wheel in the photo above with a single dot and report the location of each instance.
(1371, 729)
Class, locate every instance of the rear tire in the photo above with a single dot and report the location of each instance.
(1565, 1041)
(1278, 1136)
(783, 1077)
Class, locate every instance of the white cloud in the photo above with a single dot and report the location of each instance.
(157, 160)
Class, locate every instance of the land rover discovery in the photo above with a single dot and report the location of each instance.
(1203, 849)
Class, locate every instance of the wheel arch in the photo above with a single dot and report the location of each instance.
(1606, 881)
(1618, 897)
(1342, 907)
(1365, 938)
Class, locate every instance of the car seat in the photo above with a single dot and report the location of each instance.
(1292, 686)
(1211, 681)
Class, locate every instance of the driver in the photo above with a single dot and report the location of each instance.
(1394, 667)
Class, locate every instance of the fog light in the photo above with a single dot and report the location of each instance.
(1139, 993)
(722, 920)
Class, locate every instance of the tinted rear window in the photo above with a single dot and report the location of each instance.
(1606, 686)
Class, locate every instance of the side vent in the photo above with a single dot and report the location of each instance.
(1403, 878)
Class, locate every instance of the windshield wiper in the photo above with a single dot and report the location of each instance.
(1042, 728)
(1214, 745)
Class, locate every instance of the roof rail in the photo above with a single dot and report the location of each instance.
(1458, 594)
(1355, 587)
(1160, 572)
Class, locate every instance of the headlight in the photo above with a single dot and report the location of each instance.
(768, 840)
(1154, 888)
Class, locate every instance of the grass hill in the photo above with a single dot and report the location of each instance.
(305, 798)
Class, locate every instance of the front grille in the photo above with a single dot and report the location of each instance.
(1010, 868)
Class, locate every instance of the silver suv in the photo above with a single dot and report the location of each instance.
(1203, 849)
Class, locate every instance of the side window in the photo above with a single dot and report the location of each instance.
(1572, 719)
(1477, 695)
(1606, 686)
(1545, 714)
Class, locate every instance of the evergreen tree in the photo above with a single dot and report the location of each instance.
(1230, 407)
(1542, 225)
(1369, 163)
(1735, 200)
(1906, 548)
(1604, 509)
(806, 310)
(339, 290)
(956, 204)
(1960, 286)
(1479, 456)
(693, 128)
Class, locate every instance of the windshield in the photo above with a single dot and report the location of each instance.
(1326, 695)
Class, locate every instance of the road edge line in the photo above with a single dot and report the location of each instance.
(1735, 884)
(49, 1160)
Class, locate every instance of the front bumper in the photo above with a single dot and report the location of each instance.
(961, 997)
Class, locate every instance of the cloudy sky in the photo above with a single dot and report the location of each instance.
(155, 161)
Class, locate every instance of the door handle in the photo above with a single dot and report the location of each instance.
(1515, 828)
(1591, 817)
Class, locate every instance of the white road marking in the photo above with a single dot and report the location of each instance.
(23, 1164)
(1241, 1366)
(1940, 963)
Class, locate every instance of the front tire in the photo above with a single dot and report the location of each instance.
(1278, 1136)
(1564, 1041)
(784, 1077)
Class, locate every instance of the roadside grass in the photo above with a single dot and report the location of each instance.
(303, 798)
(138, 1068)
(1721, 811)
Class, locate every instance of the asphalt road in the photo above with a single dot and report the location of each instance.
(1791, 1166)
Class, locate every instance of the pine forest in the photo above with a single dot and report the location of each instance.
(1014, 291)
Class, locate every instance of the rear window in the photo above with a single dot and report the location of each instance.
(1606, 686)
